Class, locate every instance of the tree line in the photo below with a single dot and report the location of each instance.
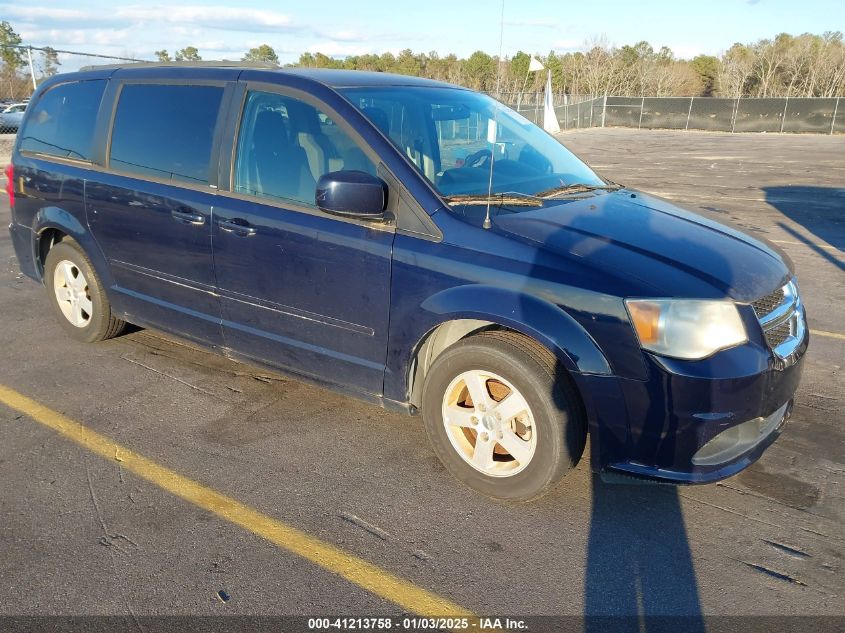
(795, 66)
(802, 66)
(263, 53)
(786, 66)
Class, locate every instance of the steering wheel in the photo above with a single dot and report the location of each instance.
(481, 158)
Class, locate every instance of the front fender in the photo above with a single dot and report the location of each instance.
(53, 217)
(552, 326)
(525, 313)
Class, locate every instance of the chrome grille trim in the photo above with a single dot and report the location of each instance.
(781, 310)
(783, 325)
(798, 328)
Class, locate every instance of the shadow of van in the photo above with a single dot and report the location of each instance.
(639, 573)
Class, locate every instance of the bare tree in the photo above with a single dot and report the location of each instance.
(736, 68)
(49, 62)
(770, 56)
(806, 65)
(599, 69)
(829, 67)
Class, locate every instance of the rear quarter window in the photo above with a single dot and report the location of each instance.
(165, 131)
(62, 122)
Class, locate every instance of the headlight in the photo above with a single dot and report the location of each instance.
(686, 328)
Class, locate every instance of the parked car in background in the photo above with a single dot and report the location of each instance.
(10, 118)
(420, 246)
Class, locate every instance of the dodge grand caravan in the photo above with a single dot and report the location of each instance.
(418, 245)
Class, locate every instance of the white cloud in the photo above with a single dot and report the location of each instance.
(347, 36)
(230, 18)
(31, 14)
(184, 31)
(59, 38)
(233, 18)
(215, 45)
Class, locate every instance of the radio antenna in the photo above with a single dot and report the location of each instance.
(491, 135)
(501, 41)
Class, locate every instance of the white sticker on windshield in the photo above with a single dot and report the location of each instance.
(491, 130)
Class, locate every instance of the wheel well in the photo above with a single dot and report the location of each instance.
(447, 334)
(439, 340)
(46, 240)
(433, 344)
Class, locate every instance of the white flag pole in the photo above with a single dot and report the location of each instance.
(524, 84)
(31, 68)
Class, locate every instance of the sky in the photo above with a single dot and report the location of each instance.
(223, 29)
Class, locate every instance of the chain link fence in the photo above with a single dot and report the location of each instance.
(717, 114)
(11, 113)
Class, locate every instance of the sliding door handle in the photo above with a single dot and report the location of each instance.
(186, 216)
(237, 226)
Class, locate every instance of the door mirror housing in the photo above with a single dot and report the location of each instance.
(352, 194)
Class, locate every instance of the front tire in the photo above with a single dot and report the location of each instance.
(77, 296)
(502, 416)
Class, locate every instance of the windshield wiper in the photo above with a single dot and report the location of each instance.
(577, 187)
(510, 198)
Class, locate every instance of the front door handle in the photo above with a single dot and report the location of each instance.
(236, 226)
(186, 216)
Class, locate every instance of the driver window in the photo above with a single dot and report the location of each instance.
(285, 145)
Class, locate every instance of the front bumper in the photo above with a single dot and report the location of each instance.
(739, 455)
(692, 422)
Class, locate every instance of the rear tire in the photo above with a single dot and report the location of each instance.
(528, 430)
(77, 296)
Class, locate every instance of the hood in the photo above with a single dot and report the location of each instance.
(659, 248)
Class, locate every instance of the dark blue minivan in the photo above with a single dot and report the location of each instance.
(415, 244)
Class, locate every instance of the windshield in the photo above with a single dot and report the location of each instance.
(452, 136)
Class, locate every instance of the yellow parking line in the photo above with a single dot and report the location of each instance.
(826, 246)
(828, 334)
(356, 570)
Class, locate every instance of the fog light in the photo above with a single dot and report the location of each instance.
(738, 439)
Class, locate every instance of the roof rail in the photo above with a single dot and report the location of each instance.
(225, 63)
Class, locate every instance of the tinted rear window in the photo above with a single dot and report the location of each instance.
(62, 121)
(165, 131)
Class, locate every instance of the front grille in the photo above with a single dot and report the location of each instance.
(779, 333)
(781, 317)
(765, 305)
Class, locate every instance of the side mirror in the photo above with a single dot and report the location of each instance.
(352, 194)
